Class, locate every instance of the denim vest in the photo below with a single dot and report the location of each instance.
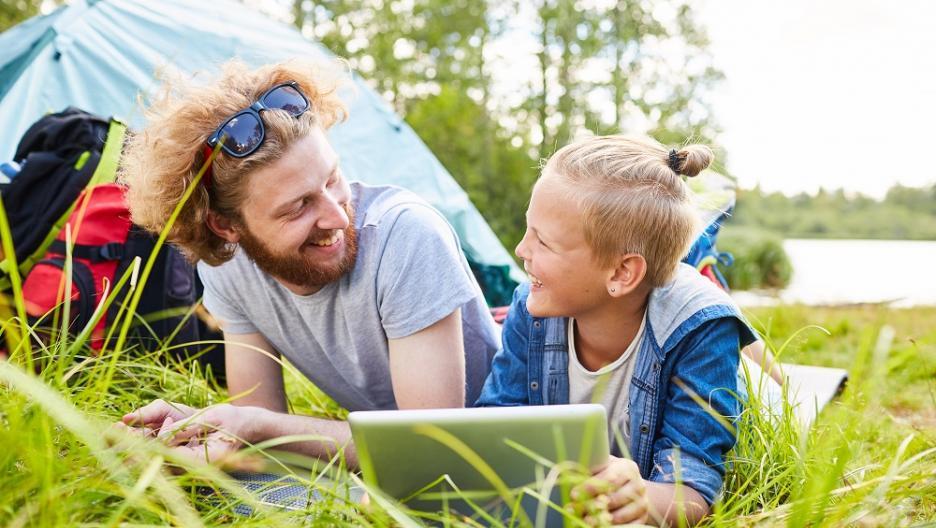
(693, 333)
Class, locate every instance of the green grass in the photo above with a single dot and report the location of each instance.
(870, 460)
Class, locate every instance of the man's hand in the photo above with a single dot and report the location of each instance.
(616, 494)
(150, 418)
(212, 434)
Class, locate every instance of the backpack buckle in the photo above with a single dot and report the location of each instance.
(112, 251)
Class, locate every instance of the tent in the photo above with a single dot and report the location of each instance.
(100, 55)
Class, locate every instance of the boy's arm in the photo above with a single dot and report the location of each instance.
(506, 385)
(694, 439)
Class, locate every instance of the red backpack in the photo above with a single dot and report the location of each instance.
(99, 227)
(67, 186)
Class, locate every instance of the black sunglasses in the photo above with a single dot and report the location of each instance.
(243, 133)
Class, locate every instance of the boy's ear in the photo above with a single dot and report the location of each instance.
(628, 275)
(222, 226)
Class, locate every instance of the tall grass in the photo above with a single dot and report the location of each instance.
(63, 464)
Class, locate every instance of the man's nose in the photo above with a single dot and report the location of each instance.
(333, 213)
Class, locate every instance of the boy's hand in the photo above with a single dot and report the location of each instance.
(616, 494)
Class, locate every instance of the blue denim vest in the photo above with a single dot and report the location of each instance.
(693, 333)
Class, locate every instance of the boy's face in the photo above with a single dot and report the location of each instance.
(298, 220)
(565, 278)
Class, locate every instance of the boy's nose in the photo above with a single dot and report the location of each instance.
(520, 250)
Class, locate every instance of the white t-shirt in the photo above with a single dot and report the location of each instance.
(609, 385)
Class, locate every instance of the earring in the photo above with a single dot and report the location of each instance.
(612, 290)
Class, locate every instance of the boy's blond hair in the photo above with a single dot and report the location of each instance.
(161, 162)
(632, 197)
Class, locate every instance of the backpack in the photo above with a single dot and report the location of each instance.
(69, 162)
(59, 155)
(705, 257)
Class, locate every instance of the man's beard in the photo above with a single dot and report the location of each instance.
(297, 268)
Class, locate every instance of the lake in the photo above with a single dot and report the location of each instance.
(857, 271)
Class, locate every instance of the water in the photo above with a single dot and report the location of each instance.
(900, 272)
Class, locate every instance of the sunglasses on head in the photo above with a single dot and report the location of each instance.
(243, 133)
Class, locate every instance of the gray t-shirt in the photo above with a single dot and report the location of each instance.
(409, 274)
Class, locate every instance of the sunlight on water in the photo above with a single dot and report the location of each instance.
(857, 271)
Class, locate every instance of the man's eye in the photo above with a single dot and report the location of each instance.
(300, 208)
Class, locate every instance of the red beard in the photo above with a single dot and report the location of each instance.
(296, 268)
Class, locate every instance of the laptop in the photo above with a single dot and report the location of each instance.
(479, 459)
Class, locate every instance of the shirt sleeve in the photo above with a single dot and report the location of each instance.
(692, 443)
(422, 276)
(506, 384)
(220, 302)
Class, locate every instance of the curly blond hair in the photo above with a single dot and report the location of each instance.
(632, 198)
(161, 161)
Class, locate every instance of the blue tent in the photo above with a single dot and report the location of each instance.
(100, 55)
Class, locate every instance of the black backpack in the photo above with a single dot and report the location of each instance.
(64, 157)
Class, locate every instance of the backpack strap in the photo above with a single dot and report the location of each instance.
(101, 253)
(106, 171)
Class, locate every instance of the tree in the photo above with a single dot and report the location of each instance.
(633, 42)
(429, 60)
(449, 124)
(13, 12)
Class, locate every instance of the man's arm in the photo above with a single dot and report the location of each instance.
(428, 368)
(254, 374)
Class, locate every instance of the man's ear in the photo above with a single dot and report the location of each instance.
(222, 226)
(627, 275)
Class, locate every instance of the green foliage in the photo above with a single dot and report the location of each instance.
(430, 61)
(449, 123)
(759, 258)
(871, 456)
(905, 213)
(13, 12)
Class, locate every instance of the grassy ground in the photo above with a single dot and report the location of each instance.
(869, 461)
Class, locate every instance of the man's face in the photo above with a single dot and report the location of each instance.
(298, 220)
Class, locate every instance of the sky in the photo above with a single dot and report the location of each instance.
(835, 93)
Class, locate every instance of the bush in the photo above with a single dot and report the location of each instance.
(759, 258)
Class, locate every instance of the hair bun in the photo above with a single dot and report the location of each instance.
(690, 160)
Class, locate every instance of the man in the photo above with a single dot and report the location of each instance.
(363, 289)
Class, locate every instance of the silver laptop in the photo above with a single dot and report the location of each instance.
(481, 459)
